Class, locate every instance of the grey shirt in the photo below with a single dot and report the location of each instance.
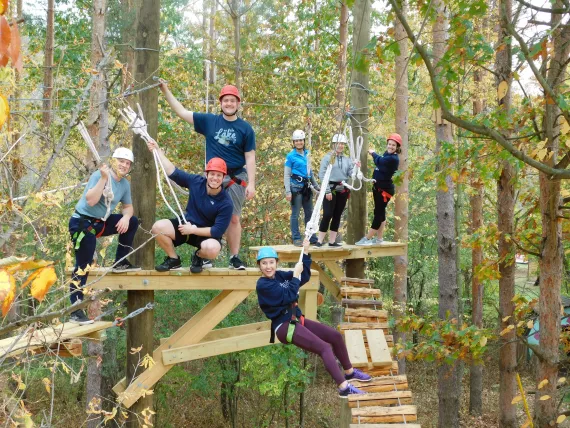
(121, 193)
(341, 170)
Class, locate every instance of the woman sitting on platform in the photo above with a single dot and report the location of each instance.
(383, 189)
(336, 194)
(278, 293)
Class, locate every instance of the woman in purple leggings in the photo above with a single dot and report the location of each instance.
(277, 293)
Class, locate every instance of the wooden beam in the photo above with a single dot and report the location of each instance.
(335, 269)
(355, 346)
(327, 281)
(406, 425)
(308, 303)
(379, 353)
(224, 333)
(193, 331)
(216, 347)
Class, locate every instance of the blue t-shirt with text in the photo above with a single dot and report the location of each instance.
(203, 210)
(121, 193)
(224, 139)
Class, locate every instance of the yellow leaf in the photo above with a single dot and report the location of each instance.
(29, 264)
(562, 380)
(43, 282)
(136, 350)
(118, 64)
(506, 318)
(7, 291)
(560, 419)
(145, 392)
(4, 110)
(564, 127)
(543, 383)
(530, 324)
(520, 324)
(516, 399)
(47, 384)
(483, 341)
(502, 90)
(526, 424)
(109, 416)
(544, 398)
(147, 361)
(506, 330)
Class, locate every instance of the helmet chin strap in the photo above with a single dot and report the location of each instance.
(214, 188)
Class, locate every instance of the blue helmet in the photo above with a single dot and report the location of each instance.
(266, 252)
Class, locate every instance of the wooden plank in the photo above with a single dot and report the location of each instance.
(384, 411)
(355, 346)
(362, 319)
(380, 399)
(385, 426)
(193, 331)
(357, 282)
(216, 347)
(384, 419)
(356, 303)
(224, 333)
(383, 384)
(308, 303)
(335, 269)
(215, 279)
(357, 291)
(363, 326)
(363, 312)
(327, 281)
(379, 353)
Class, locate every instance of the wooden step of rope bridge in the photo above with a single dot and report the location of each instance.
(329, 256)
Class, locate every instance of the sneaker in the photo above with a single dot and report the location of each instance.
(358, 375)
(318, 244)
(79, 317)
(197, 263)
(125, 266)
(207, 264)
(334, 244)
(364, 241)
(236, 263)
(313, 240)
(349, 390)
(297, 242)
(169, 263)
(376, 241)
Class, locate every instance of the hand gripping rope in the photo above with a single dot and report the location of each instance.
(108, 189)
(139, 126)
(355, 156)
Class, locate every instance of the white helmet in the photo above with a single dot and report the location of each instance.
(339, 138)
(124, 153)
(298, 135)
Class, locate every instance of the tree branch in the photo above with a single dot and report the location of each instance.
(544, 9)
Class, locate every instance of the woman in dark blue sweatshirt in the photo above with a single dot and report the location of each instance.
(383, 189)
(277, 293)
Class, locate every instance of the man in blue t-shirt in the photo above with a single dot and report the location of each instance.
(208, 214)
(233, 140)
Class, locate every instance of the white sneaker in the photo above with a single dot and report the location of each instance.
(376, 241)
(364, 241)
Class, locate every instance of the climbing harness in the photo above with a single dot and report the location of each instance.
(355, 156)
(139, 126)
(233, 172)
(108, 189)
(78, 236)
(293, 323)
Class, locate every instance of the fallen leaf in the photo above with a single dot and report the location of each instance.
(543, 383)
(516, 399)
(544, 398)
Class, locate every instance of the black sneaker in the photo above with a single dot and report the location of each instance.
(236, 263)
(334, 244)
(297, 242)
(207, 264)
(196, 266)
(125, 266)
(313, 240)
(79, 317)
(318, 244)
(169, 264)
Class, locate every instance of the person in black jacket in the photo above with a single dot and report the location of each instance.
(278, 293)
(383, 190)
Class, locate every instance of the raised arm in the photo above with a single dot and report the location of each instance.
(168, 166)
(178, 108)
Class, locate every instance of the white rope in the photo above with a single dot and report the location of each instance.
(108, 189)
(139, 126)
(355, 152)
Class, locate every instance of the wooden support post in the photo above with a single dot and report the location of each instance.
(345, 414)
(327, 281)
(335, 269)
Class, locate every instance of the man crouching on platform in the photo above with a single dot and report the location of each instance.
(208, 214)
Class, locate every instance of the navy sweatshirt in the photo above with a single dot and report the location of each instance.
(275, 295)
(386, 166)
(203, 210)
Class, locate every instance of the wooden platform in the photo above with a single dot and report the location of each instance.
(48, 336)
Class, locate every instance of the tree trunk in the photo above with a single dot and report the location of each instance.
(449, 377)
(477, 289)
(98, 127)
(505, 222)
(551, 261)
(48, 68)
(342, 66)
(402, 196)
(237, 54)
(130, 9)
(140, 330)
(360, 113)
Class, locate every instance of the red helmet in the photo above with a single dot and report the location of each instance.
(395, 137)
(217, 164)
(229, 90)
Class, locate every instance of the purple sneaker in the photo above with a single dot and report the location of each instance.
(349, 390)
(358, 375)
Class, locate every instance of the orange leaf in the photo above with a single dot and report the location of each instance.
(3, 59)
(30, 264)
(43, 282)
(3, 6)
(5, 35)
(14, 48)
(7, 291)
(4, 110)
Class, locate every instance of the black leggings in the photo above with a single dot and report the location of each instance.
(332, 210)
(379, 208)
